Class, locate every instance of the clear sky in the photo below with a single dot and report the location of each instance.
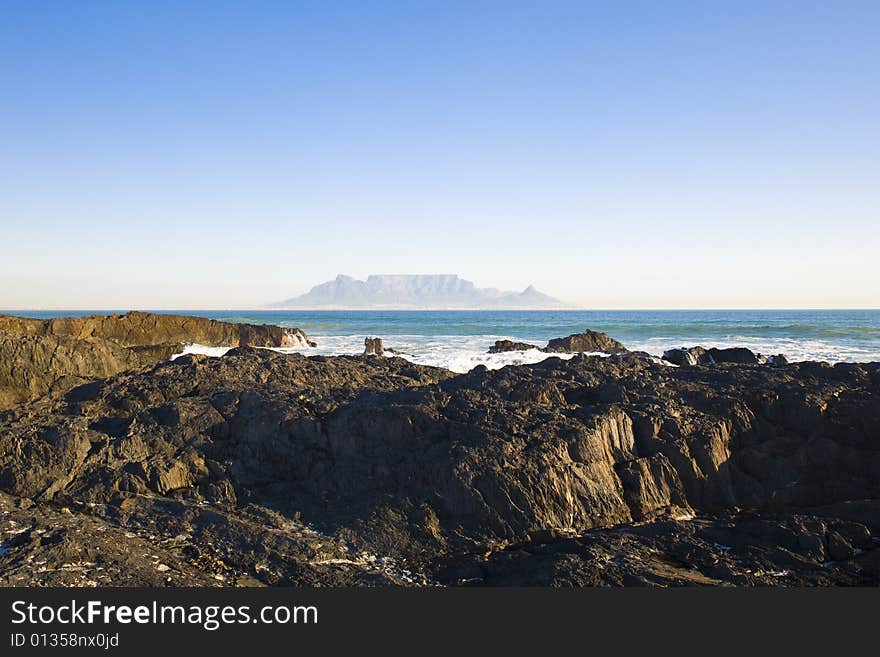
(617, 154)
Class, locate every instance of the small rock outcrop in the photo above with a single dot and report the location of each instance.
(501, 346)
(700, 356)
(733, 355)
(373, 347)
(589, 341)
(684, 356)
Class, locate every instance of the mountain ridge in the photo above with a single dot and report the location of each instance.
(416, 291)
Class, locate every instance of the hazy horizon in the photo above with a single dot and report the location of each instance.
(633, 156)
(273, 307)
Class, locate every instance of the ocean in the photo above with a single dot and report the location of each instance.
(459, 340)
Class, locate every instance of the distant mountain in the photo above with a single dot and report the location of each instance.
(441, 291)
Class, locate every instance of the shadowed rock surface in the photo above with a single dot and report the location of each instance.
(345, 470)
(588, 341)
(501, 346)
(33, 365)
(685, 357)
(591, 341)
(39, 357)
(700, 356)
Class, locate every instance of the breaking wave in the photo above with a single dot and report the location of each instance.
(462, 353)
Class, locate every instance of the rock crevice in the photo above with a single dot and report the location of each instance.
(429, 469)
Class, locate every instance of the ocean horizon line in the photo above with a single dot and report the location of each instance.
(436, 309)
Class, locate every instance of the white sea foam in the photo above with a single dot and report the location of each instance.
(465, 361)
(462, 353)
(792, 349)
(201, 349)
(295, 338)
(455, 353)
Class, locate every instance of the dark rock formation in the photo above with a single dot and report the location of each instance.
(590, 341)
(701, 356)
(139, 328)
(33, 364)
(748, 549)
(171, 542)
(732, 355)
(692, 356)
(501, 346)
(39, 357)
(489, 477)
(373, 347)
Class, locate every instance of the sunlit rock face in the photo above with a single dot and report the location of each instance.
(591, 470)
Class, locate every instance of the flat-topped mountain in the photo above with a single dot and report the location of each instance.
(442, 291)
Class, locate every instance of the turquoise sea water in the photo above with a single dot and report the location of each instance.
(459, 339)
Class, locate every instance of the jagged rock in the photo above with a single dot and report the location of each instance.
(39, 357)
(652, 487)
(430, 469)
(855, 533)
(373, 347)
(135, 329)
(743, 550)
(37, 364)
(701, 356)
(732, 355)
(588, 341)
(685, 357)
(501, 346)
(119, 545)
(839, 549)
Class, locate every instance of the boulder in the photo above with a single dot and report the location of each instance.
(699, 356)
(373, 347)
(501, 346)
(590, 341)
(732, 355)
(684, 356)
(839, 548)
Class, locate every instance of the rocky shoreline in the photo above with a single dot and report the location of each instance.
(263, 468)
(40, 357)
(588, 341)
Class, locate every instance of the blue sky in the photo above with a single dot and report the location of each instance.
(616, 155)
